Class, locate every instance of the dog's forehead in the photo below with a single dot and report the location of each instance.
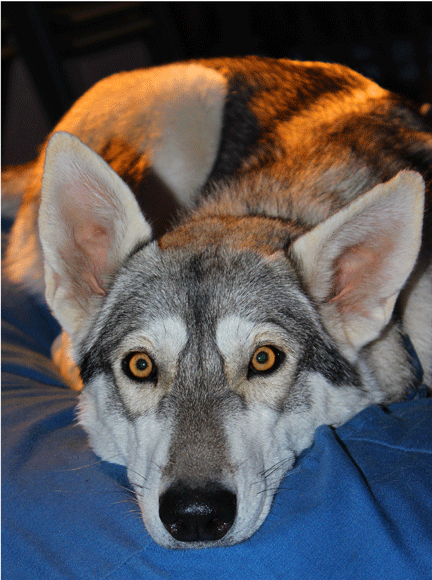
(215, 282)
(198, 288)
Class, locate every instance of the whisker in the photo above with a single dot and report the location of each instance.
(96, 492)
(131, 470)
(277, 466)
(136, 514)
(274, 489)
(92, 464)
(127, 500)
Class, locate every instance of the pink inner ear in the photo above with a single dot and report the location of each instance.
(94, 241)
(358, 272)
(95, 285)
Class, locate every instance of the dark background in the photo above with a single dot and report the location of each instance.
(53, 51)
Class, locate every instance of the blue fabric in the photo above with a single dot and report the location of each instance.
(357, 505)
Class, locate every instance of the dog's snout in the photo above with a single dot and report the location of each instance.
(197, 515)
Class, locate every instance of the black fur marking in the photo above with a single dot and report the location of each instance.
(92, 364)
(140, 245)
(317, 355)
(326, 360)
(240, 131)
(260, 97)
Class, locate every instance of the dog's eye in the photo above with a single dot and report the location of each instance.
(266, 359)
(139, 366)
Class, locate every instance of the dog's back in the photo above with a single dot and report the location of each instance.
(322, 131)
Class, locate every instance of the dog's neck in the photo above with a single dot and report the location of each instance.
(259, 233)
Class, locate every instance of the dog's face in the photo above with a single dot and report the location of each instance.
(207, 368)
(207, 374)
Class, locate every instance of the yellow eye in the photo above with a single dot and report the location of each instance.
(139, 366)
(265, 359)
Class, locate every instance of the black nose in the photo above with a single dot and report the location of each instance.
(197, 515)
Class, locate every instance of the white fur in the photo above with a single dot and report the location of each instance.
(146, 461)
(142, 446)
(261, 457)
(108, 431)
(172, 114)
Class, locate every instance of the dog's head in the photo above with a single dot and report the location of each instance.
(208, 366)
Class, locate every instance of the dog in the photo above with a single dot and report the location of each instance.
(281, 299)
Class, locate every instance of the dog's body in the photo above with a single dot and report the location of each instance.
(278, 303)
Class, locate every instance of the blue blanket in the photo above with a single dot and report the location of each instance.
(357, 505)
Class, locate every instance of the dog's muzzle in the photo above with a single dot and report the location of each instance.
(197, 515)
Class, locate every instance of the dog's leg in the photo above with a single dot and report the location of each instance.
(60, 354)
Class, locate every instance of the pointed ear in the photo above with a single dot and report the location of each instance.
(89, 221)
(355, 263)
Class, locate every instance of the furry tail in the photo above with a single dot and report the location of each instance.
(22, 261)
(14, 183)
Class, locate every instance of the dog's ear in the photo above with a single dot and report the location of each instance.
(89, 221)
(356, 262)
